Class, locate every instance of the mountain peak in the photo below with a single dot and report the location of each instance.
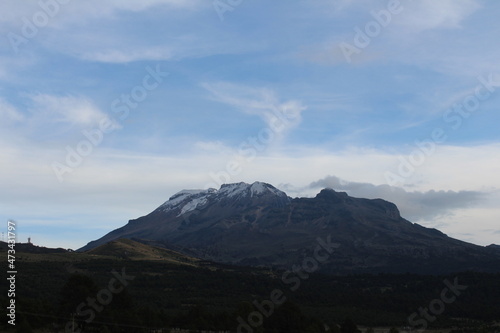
(255, 189)
(329, 192)
(257, 224)
(189, 200)
(184, 200)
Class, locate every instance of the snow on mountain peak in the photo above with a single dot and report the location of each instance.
(193, 204)
(185, 195)
(258, 188)
(189, 200)
(254, 189)
(231, 190)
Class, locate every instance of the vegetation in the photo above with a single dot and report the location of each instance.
(56, 290)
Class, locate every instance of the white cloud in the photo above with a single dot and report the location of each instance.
(8, 113)
(133, 5)
(120, 185)
(417, 16)
(424, 15)
(93, 30)
(78, 11)
(212, 147)
(71, 110)
(261, 102)
(423, 34)
(119, 56)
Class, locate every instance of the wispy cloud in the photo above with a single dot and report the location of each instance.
(425, 15)
(9, 113)
(124, 56)
(407, 36)
(71, 110)
(261, 102)
(80, 11)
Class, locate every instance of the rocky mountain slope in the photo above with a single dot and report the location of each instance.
(257, 224)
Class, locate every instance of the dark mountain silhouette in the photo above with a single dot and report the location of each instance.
(259, 225)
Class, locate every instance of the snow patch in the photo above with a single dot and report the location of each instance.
(184, 192)
(180, 197)
(189, 200)
(193, 204)
(232, 190)
(258, 188)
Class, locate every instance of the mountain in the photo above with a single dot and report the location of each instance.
(494, 248)
(259, 225)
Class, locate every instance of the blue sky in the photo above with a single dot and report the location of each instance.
(108, 108)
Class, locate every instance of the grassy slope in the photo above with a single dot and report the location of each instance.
(173, 282)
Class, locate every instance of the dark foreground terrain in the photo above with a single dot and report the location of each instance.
(124, 286)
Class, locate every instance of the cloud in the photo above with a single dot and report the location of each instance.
(417, 16)
(261, 102)
(416, 205)
(108, 183)
(78, 11)
(121, 56)
(8, 113)
(70, 110)
(424, 15)
(422, 33)
(100, 30)
(212, 147)
(133, 5)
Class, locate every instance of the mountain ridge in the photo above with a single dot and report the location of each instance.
(259, 225)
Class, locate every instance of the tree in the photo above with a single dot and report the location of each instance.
(77, 289)
(286, 318)
(348, 326)
(23, 327)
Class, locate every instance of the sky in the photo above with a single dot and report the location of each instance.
(110, 107)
